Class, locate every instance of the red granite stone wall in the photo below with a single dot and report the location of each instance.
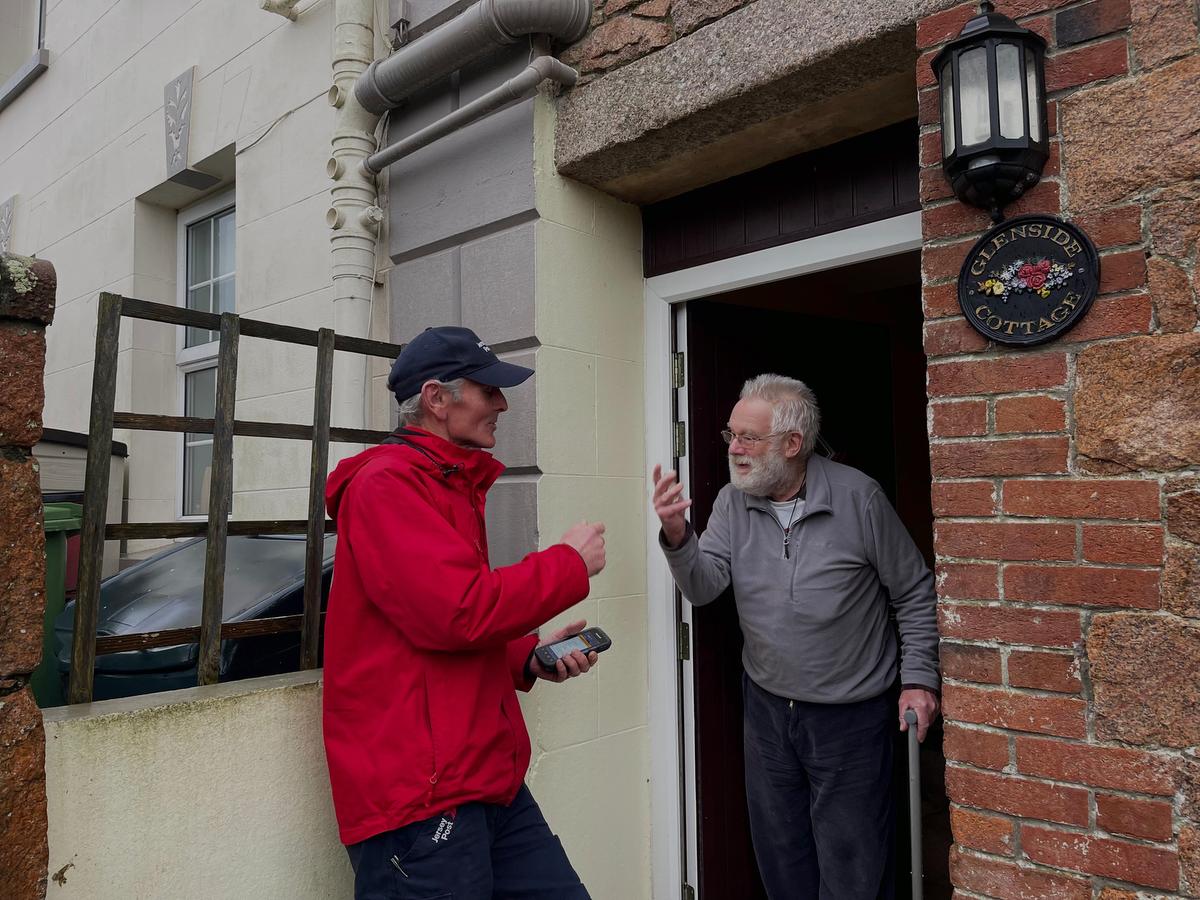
(1067, 483)
(625, 30)
(26, 307)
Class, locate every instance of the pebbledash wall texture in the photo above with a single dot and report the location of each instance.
(1067, 483)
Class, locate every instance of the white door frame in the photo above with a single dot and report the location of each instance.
(672, 806)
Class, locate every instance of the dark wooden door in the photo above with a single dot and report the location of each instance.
(861, 355)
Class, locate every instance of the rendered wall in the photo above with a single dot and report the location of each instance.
(82, 150)
(222, 792)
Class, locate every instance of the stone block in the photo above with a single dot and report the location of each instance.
(22, 566)
(22, 362)
(1137, 402)
(425, 292)
(1181, 580)
(23, 851)
(1110, 160)
(497, 285)
(1172, 292)
(512, 521)
(627, 38)
(1121, 649)
(27, 289)
(1189, 857)
(566, 405)
(1162, 30)
(1183, 516)
(1175, 220)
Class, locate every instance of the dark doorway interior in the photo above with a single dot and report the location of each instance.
(854, 336)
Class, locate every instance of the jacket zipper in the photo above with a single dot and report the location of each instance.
(433, 778)
(787, 532)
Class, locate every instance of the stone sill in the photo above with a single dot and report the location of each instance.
(24, 76)
(212, 693)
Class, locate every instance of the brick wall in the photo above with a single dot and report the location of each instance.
(27, 290)
(1067, 483)
(625, 30)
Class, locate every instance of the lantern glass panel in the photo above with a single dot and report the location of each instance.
(1035, 101)
(1008, 90)
(947, 111)
(973, 97)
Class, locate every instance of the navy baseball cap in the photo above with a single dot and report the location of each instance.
(445, 353)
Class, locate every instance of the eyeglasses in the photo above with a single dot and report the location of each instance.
(748, 440)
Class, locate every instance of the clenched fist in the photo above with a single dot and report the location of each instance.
(588, 539)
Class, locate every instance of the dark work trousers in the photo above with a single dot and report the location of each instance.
(481, 851)
(819, 788)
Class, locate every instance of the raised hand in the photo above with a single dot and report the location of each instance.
(588, 539)
(668, 506)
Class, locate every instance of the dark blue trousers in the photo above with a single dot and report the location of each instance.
(481, 851)
(819, 789)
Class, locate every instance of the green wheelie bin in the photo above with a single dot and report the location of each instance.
(61, 520)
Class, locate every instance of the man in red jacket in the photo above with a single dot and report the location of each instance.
(426, 645)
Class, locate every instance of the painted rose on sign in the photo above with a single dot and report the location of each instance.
(1020, 275)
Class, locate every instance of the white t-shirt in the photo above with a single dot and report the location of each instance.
(788, 511)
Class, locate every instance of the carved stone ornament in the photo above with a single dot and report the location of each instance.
(6, 222)
(177, 112)
(1028, 280)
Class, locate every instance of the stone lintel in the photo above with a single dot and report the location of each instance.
(766, 82)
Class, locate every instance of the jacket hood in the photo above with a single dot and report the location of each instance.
(477, 467)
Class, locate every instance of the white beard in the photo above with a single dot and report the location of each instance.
(769, 474)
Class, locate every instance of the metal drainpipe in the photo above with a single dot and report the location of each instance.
(481, 28)
(354, 216)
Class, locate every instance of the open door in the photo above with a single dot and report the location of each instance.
(854, 336)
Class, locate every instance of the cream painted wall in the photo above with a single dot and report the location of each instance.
(83, 150)
(590, 766)
(221, 794)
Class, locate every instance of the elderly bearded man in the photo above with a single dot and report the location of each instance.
(426, 645)
(816, 556)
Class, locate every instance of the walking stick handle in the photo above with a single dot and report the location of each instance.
(914, 801)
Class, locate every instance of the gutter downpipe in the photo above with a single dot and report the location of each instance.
(354, 216)
(480, 29)
(517, 88)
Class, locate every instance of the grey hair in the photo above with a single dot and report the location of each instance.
(793, 407)
(412, 412)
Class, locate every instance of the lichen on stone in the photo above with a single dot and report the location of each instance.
(22, 276)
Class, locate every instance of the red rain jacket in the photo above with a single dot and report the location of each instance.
(425, 643)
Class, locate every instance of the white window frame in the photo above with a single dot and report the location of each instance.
(201, 356)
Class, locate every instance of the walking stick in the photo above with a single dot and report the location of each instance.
(914, 801)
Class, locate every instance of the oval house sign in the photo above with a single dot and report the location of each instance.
(1028, 280)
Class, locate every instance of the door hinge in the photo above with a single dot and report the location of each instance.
(689, 892)
(677, 370)
(685, 640)
(679, 446)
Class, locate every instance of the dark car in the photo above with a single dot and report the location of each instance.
(264, 577)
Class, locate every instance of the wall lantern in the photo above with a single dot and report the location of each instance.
(993, 93)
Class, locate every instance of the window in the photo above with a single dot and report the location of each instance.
(207, 282)
(23, 54)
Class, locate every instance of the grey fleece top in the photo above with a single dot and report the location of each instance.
(816, 620)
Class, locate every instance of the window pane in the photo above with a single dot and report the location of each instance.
(973, 91)
(1035, 101)
(1008, 88)
(199, 252)
(223, 292)
(199, 399)
(224, 262)
(947, 111)
(200, 299)
(197, 470)
(200, 393)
